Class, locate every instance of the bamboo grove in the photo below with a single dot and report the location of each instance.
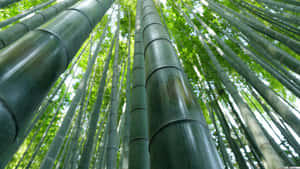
(140, 84)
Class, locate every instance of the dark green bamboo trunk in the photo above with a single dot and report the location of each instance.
(16, 31)
(179, 136)
(7, 155)
(29, 66)
(59, 138)
(138, 144)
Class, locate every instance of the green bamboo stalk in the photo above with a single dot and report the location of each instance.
(292, 87)
(174, 112)
(242, 145)
(25, 13)
(286, 133)
(268, 58)
(138, 139)
(92, 126)
(126, 134)
(276, 52)
(11, 34)
(99, 136)
(103, 150)
(275, 19)
(64, 93)
(234, 147)
(257, 25)
(287, 161)
(7, 155)
(37, 148)
(274, 5)
(272, 160)
(112, 145)
(61, 134)
(63, 153)
(70, 159)
(102, 146)
(264, 90)
(226, 159)
(35, 62)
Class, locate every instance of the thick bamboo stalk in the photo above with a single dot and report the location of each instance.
(6, 156)
(174, 112)
(16, 31)
(64, 93)
(138, 140)
(29, 66)
(56, 144)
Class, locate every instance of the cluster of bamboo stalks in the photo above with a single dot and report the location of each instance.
(163, 125)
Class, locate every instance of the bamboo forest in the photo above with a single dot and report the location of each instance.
(149, 84)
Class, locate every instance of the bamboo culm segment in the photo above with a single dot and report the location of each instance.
(58, 140)
(138, 139)
(173, 110)
(30, 66)
(6, 156)
(16, 31)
